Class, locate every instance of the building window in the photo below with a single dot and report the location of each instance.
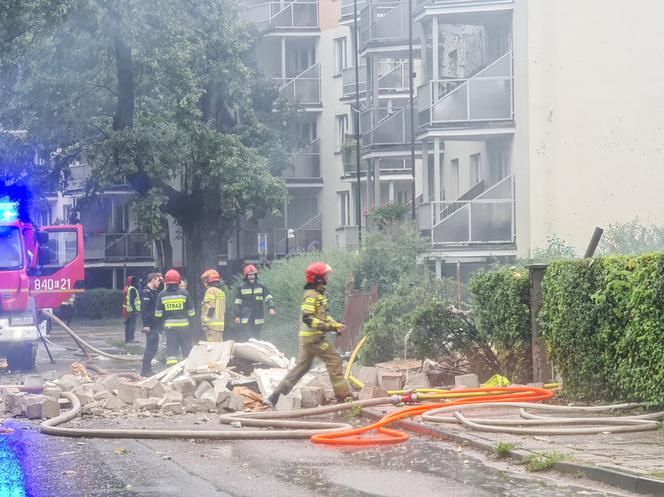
(454, 178)
(344, 208)
(340, 58)
(475, 169)
(342, 130)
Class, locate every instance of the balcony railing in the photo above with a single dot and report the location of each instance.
(381, 126)
(396, 79)
(348, 8)
(273, 243)
(487, 219)
(460, 4)
(305, 163)
(303, 89)
(118, 247)
(485, 97)
(78, 174)
(384, 23)
(299, 14)
(348, 77)
(346, 237)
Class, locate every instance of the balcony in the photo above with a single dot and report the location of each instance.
(299, 15)
(348, 78)
(78, 174)
(382, 126)
(275, 242)
(465, 6)
(305, 165)
(383, 23)
(118, 247)
(303, 89)
(346, 237)
(485, 98)
(488, 219)
(348, 9)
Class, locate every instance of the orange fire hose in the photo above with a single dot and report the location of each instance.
(388, 436)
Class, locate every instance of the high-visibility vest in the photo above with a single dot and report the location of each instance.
(137, 300)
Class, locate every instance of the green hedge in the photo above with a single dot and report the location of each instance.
(603, 320)
(99, 303)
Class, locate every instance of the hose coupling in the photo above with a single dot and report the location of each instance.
(409, 398)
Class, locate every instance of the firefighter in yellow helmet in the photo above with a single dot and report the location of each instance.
(213, 307)
(315, 321)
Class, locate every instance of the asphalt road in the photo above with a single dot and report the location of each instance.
(35, 465)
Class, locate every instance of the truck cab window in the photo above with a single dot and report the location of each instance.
(11, 253)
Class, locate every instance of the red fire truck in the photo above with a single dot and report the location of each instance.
(39, 269)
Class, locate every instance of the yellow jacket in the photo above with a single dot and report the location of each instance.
(213, 308)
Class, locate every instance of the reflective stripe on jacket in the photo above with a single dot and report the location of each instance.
(213, 308)
(175, 308)
(314, 319)
(132, 301)
(250, 301)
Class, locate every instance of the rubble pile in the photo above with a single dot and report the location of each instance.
(206, 381)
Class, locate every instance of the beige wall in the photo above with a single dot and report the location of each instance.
(590, 115)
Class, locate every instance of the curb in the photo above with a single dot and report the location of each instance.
(618, 479)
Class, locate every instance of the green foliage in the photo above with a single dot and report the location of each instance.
(500, 304)
(391, 318)
(390, 214)
(556, 249)
(387, 256)
(503, 449)
(98, 303)
(631, 237)
(543, 461)
(602, 320)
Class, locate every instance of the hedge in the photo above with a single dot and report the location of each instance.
(603, 321)
(99, 303)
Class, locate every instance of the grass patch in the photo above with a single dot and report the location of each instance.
(503, 449)
(657, 474)
(543, 461)
(130, 348)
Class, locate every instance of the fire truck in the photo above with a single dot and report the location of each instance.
(39, 269)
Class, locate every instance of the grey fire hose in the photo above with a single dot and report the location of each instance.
(530, 422)
(86, 346)
(293, 429)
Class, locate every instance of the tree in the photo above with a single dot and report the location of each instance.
(164, 94)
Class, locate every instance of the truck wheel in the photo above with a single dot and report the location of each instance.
(22, 357)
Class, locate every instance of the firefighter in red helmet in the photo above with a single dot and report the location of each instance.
(175, 307)
(314, 322)
(251, 298)
(213, 307)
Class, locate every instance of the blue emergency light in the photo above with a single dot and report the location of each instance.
(8, 211)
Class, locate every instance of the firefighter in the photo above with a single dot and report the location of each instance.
(131, 308)
(174, 306)
(213, 306)
(151, 325)
(314, 322)
(251, 297)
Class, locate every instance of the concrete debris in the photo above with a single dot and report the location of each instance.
(466, 381)
(84, 395)
(31, 406)
(203, 387)
(287, 403)
(186, 386)
(150, 404)
(390, 380)
(368, 376)
(68, 382)
(417, 380)
(113, 403)
(53, 392)
(260, 352)
(372, 392)
(234, 402)
(209, 355)
(129, 392)
(312, 396)
(172, 408)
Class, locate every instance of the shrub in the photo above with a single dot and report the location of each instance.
(99, 303)
(631, 237)
(389, 215)
(500, 303)
(387, 256)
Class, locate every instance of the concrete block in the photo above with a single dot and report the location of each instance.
(312, 396)
(129, 392)
(417, 380)
(372, 392)
(150, 383)
(186, 386)
(216, 397)
(159, 390)
(203, 387)
(68, 382)
(53, 392)
(368, 376)
(41, 407)
(466, 381)
(150, 404)
(109, 382)
(103, 395)
(221, 384)
(113, 403)
(287, 403)
(390, 380)
(172, 408)
(170, 397)
(204, 405)
(84, 395)
(50, 408)
(33, 381)
(15, 403)
(234, 402)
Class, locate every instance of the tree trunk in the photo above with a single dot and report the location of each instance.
(124, 64)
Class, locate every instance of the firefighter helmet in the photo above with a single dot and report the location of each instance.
(210, 276)
(249, 269)
(317, 272)
(172, 277)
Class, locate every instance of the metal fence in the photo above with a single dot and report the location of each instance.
(300, 14)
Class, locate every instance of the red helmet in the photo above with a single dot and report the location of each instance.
(316, 272)
(209, 276)
(249, 269)
(172, 277)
